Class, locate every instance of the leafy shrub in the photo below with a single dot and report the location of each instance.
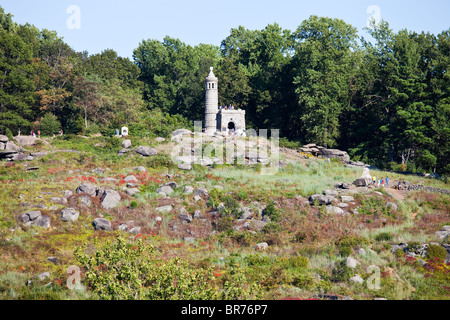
(345, 251)
(341, 272)
(225, 224)
(436, 251)
(271, 211)
(49, 124)
(271, 227)
(130, 271)
(258, 260)
(384, 236)
(232, 207)
(351, 241)
(295, 262)
(161, 161)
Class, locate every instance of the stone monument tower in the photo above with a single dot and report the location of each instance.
(223, 121)
(211, 103)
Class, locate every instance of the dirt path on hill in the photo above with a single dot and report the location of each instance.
(396, 194)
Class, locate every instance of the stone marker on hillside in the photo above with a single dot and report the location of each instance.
(365, 180)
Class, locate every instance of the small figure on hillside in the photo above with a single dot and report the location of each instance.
(117, 132)
(387, 182)
(18, 133)
(39, 134)
(61, 132)
(374, 180)
(328, 160)
(379, 182)
(382, 182)
(399, 186)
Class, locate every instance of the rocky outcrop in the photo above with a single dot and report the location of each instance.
(146, 151)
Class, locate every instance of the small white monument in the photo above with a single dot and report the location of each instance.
(124, 131)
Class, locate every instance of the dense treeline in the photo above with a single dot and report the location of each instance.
(385, 100)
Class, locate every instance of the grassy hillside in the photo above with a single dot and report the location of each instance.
(249, 236)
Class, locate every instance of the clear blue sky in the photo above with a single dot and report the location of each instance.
(122, 25)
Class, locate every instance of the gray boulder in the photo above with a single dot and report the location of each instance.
(102, 224)
(110, 199)
(167, 208)
(87, 188)
(357, 279)
(185, 217)
(320, 199)
(42, 221)
(146, 151)
(165, 190)
(188, 190)
(132, 191)
(352, 263)
(201, 192)
(332, 193)
(131, 178)
(126, 144)
(69, 214)
(3, 138)
(185, 166)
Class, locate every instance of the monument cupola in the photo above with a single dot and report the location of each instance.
(211, 102)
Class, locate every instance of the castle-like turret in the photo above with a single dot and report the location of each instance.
(211, 102)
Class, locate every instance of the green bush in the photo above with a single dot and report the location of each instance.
(384, 236)
(124, 270)
(258, 260)
(295, 262)
(49, 124)
(271, 211)
(351, 241)
(161, 161)
(345, 251)
(341, 272)
(436, 251)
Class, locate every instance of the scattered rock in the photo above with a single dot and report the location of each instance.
(347, 199)
(320, 199)
(69, 214)
(141, 169)
(188, 190)
(185, 166)
(357, 279)
(261, 246)
(201, 192)
(85, 200)
(185, 217)
(335, 210)
(87, 188)
(146, 151)
(352, 263)
(166, 190)
(197, 214)
(443, 233)
(135, 230)
(110, 199)
(130, 178)
(126, 144)
(102, 224)
(59, 200)
(132, 191)
(332, 193)
(167, 208)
